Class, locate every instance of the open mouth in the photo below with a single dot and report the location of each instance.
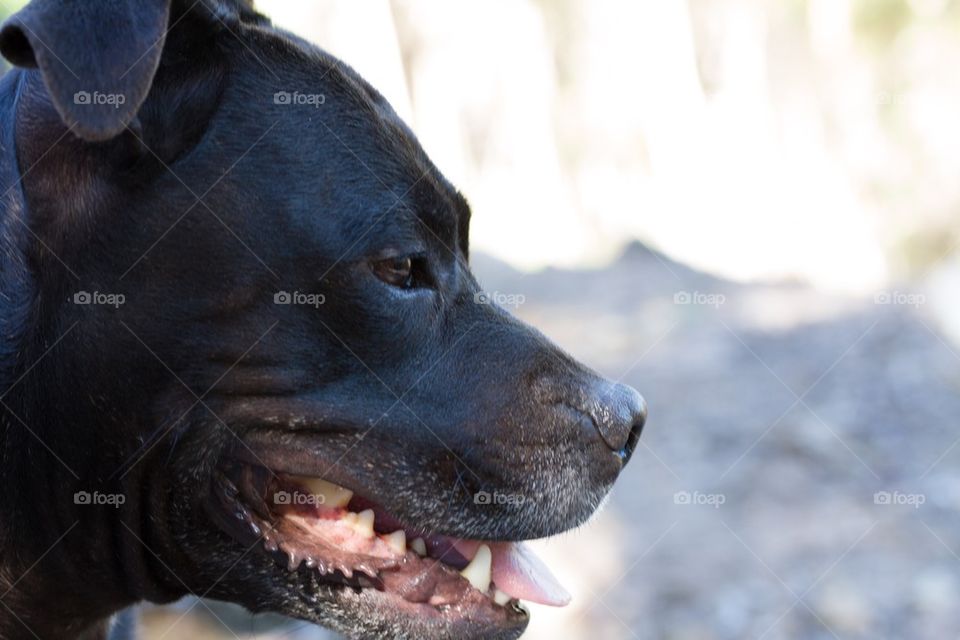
(326, 532)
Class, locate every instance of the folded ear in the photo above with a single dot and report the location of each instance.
(97, 57)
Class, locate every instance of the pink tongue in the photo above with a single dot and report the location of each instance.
(518, 572)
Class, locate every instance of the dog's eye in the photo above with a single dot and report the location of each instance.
(395, 271)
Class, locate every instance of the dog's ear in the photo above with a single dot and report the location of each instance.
(97, 57)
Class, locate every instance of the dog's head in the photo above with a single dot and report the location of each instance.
(238, 297)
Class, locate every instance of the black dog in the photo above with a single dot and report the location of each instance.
(229, 270)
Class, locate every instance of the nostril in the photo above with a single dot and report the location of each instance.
(636, 429)
(620, 418)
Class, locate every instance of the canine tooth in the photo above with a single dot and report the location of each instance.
(500, 597)
(419, 546)
(366, 570)
(334, 495)
(477, 572)
(363, 523)
(397, 541)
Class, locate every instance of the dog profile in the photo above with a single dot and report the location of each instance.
(243, 354)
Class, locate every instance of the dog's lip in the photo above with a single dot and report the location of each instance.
(317, 454)
(314, 453)
(466, 620)
(510, 565)
(437, 593)
(309, 457)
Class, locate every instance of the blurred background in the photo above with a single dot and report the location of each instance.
(747, 209)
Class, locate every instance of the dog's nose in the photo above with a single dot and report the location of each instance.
(619, 417)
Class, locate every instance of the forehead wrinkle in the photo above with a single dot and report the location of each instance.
(437, 208)
(392, 228)
(462, 208)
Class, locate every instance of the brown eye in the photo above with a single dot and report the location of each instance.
(395, 271)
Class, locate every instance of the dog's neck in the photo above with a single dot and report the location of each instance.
(13, 626)
(16, 285)
(52, 582)
(46, 590)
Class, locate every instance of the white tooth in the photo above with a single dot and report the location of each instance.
(397, 541)
(477, 572)
(500, 597)
(363, 523)
(419, 546)
(334, 496)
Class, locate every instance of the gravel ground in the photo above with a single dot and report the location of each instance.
(798, 477)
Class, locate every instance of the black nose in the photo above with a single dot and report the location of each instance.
(619, 417)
